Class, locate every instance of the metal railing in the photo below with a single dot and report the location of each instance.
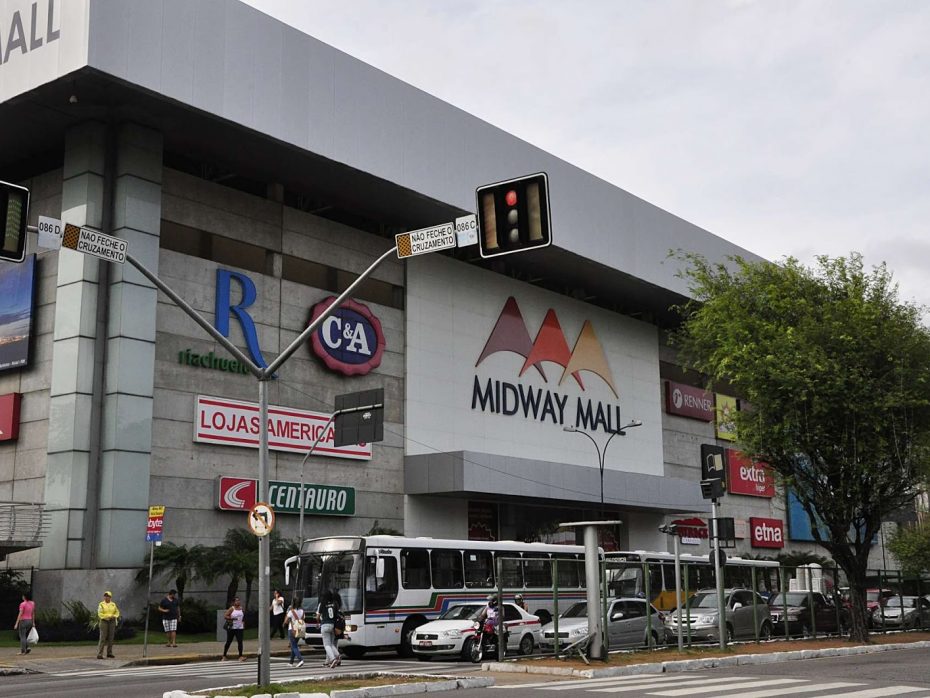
(22, 526)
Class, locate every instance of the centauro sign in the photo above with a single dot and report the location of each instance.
(240, 494)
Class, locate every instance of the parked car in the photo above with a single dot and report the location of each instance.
(903, 612)
(626, 624)
(701, 611)
(454, 631)
(826, 615)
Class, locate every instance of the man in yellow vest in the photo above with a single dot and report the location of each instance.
(107, 614)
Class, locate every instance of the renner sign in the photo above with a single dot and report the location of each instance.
(235, 423)
(688, 401)
(747, 477)
(767, 533)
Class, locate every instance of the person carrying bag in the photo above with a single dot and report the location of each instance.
(296, 632)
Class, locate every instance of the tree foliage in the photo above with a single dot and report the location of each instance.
(835, 371)
(181, 563)
(910, 546)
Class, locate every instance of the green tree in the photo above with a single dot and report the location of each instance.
(237, 556)
(910, 546)
(835, 372)
(177, 562)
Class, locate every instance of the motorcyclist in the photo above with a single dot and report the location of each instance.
(490, 617)
(521, 602)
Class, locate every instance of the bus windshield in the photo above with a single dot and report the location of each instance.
(341, 572)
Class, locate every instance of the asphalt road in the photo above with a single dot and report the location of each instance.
(892, 673)
(153, 681)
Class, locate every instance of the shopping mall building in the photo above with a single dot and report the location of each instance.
(258, 171)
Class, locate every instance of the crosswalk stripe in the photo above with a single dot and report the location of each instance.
(739, 684)
(637, 681)
(879, 692)
(790, 690)
(664, 683)
(583, 682)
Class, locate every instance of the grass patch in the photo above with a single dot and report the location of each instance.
(320, 685)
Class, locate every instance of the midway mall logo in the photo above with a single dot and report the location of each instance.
(501, 397)
(26, 30)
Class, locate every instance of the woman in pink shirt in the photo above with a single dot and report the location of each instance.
(25, 621)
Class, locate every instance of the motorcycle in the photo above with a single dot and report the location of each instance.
(484, 642)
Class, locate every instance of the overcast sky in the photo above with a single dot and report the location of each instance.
(789, 128)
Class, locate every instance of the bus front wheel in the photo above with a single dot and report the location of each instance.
(354, 652)
(406, 635)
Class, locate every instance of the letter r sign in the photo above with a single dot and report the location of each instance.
(225, 307)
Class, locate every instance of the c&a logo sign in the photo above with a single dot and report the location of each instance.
(510, 334)
(503, 397)
(350, 341)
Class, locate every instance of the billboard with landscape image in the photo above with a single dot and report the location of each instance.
(17, 292)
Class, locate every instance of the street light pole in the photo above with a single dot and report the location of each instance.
(602, 453)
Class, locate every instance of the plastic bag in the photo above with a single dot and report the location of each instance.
(33, 636)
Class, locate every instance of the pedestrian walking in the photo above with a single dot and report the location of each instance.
(170, 609)
(328, 612)
(25, 622)
(277, 614)
(296, 632)
(107, 616)
(235, 625)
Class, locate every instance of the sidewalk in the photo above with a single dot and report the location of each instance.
(59, 657)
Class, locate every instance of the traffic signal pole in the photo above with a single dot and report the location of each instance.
(718, 576)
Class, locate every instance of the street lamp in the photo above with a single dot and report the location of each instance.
(601, 453)
(672, 530)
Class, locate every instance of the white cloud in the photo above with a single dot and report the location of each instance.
(791, 128)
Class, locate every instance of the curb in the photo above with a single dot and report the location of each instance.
(449, 683)
(705, 663)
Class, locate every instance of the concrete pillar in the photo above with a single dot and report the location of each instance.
(75, 365)
(126, 434)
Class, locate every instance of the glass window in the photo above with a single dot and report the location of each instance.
(414, 568)
(655, 579)
(569, 569)
(512, 571)
(511, 613)
(479, 569)
(537, 573)
(634, 609)
(447, 569)
(380, 592)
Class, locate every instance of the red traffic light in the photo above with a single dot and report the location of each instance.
(511, 198)
(513, 215)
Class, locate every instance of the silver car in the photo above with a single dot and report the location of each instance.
(903, 612)
(741, 620)
(626, 624)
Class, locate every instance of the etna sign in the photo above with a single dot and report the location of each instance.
(688, 401)
(766, 533)
(747, 477)
(350, 341)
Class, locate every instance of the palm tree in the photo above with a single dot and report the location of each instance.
(178, 562)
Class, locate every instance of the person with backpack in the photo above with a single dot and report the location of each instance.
(296, 632)
(327, 613)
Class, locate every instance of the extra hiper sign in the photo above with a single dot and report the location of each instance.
(235, 423)
(240, 494)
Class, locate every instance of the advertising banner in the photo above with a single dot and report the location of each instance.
(17, 291)
(240, 494)
(766, 533)
(727, 407)
(688, 401)
(749, 478)
(9, 416)
(155, 526)
(235, 423)
(691, 531)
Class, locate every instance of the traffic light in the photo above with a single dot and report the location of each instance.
(14, 212)
(513, 216)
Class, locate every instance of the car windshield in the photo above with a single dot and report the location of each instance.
(791, 599)
(579, 610)
(909, 601)
(465, 612)
(707, 599)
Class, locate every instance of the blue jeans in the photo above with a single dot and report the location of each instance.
(296, 656)
(329, 641)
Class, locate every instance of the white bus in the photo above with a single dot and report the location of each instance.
(390, 585)
(625, 575)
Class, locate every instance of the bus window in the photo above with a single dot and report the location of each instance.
(447, 569)
(479, 569)
(380, 592)
(568, 573)
(414, 568)
(656, 585)
(512, 570)
(537, 573)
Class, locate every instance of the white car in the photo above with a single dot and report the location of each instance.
(454, 631)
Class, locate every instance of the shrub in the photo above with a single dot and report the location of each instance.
(12, 586)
